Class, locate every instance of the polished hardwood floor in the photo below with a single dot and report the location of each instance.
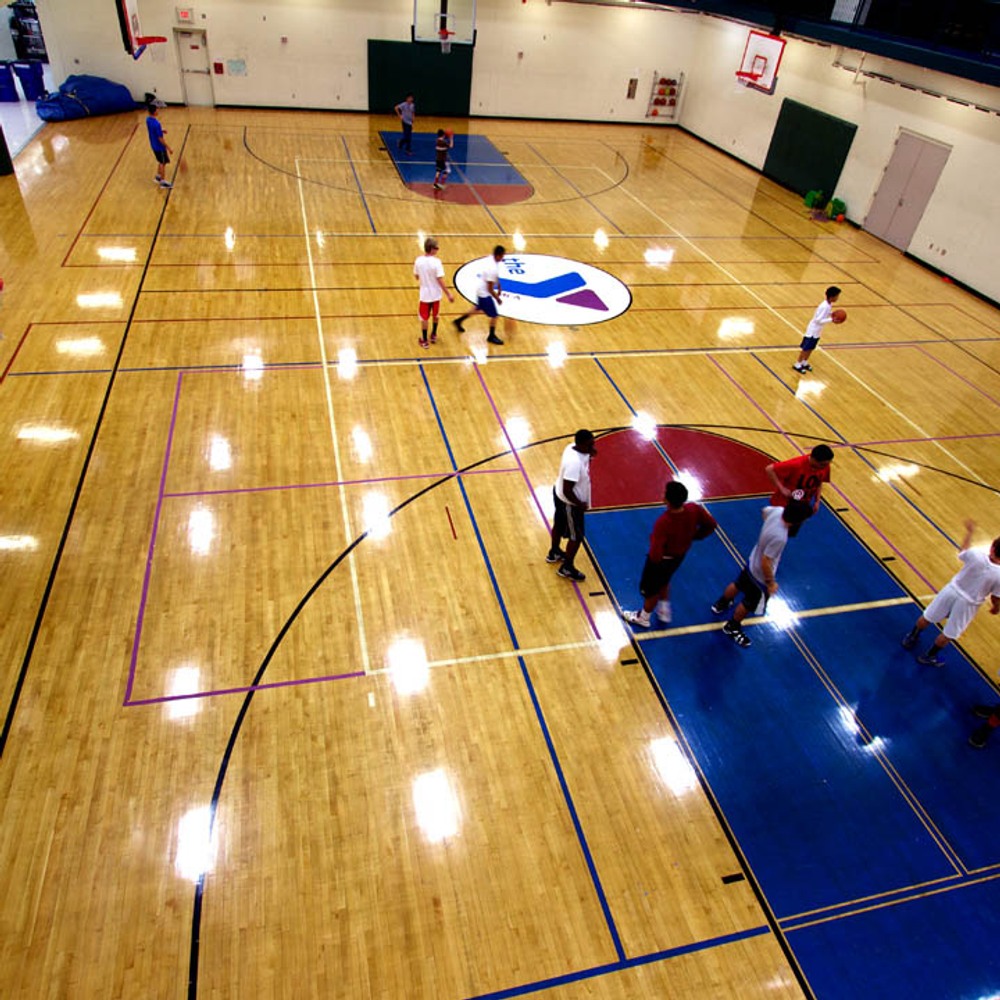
(293, 705)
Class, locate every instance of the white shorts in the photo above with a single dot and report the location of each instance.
(951, 604)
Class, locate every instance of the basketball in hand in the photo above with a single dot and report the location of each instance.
(450, 133)
(839, 316)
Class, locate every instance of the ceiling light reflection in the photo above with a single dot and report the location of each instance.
(780, 613)
(694, 485)
(733, 327)
(436, 805)
(320, 239)
(220, 453)
(408, 667)
(119, 255)
(848, 718)
(362, 444)
(230, 238)
(613, 637)
(253, 366)
(81, 347)
(99, 300)
(18, 543)
(347, 362)
(201, 531)
(556, 352)
(659, 255)
(896, 470)
(195, 844)
(809, 387)
(543, 497)
(601, 240)
(375, 515)
(644, 425)
(183, 681)
(673, 768)
(520, 243)
(47, 434)
(519, 432)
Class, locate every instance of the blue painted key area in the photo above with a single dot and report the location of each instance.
(840, 764)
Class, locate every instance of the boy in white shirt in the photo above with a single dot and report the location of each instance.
(822, 316)
(959, 599)
(429, 271)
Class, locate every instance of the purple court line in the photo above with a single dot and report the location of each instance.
(531, 490)
(451, 474)
(753, 402)
(242, 690)
(961, 378)
(152, 542)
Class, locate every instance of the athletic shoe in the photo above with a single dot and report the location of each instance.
(736, 634)
(165, 184)
(156, 179)
(423, 343)
(983, 711)
(663, 612)
(807, 368)
(437, 187)
(799, 369)
(910, 639)
(636, 618)
(434, 338)
(571, 573)
(979, 737)
(457, 324)
(720, 607)
(930, 659)
(555, 555)
(494, 339)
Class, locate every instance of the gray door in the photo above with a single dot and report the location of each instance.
(906, 188)
(196, 74)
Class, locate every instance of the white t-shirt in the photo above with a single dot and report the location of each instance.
(820, 318)
(575, 467)
(490, 271)
(428, 269)
(978, 578)
(771, 543)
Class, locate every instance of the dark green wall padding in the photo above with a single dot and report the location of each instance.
(808, 149)
(441, 84)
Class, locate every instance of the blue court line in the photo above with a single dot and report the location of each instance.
(567, 796)
(357, 180)
(843, 440)
(624, 964)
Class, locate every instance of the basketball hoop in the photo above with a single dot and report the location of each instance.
(445, 36)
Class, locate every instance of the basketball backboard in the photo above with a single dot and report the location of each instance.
(761, 59)
(456, 17)
(133, 38)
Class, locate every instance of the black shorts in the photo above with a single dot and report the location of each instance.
(657, 574)
(162, 156)
(809, 343)
(567, 521)
(752, 592)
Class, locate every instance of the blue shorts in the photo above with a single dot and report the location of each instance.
(809, 343)
(488, 305)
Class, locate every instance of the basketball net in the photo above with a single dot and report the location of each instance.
(445, 35)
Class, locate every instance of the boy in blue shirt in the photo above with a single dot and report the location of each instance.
(156, 141)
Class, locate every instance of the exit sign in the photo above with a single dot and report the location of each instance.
(185, 15)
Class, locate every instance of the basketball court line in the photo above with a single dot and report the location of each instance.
(338, 464)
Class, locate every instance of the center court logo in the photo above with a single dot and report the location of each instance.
(538, 288)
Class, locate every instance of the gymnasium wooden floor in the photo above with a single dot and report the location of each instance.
(293, 705)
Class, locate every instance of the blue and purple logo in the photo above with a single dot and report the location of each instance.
(538, 288)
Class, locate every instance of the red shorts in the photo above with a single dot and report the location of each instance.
(428, 309)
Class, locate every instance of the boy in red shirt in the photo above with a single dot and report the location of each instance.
(800, 478)
(675, 531)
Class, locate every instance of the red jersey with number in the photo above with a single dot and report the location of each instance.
(799, 474)
(676, 530)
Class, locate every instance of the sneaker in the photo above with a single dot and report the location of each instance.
(165, 184)
(720, 607)
(423, 343)
(979, 737)
(434, 338)
(457, 324)
(910, 639)
(156, 178)
(571, 573)
(736, 634)
(494, 339)
(636, 618)
(930, 658)
(555, 555)
(807, 368)
(799, 368)
(437, 187)
(983, 711)
(663, 612)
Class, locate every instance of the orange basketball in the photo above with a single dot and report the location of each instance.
(450, 133)
(839, 315)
